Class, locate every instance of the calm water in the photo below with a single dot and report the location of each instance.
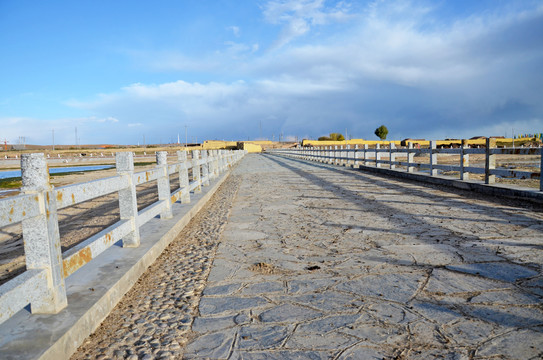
(17, 173)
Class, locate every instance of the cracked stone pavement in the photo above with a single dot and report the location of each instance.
(320, 262)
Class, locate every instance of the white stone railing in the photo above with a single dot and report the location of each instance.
(42, 284)
(374, 157)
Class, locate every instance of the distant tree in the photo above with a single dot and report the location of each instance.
(332, 137)
(337, 137)
(381, 132)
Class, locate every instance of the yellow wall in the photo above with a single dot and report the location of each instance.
(347, 142)
(251, 148)
(219, 144)
(499, 142)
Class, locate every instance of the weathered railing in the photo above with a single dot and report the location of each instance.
(375, 156)
(42, 284)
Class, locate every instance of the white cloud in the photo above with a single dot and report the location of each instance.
(298, 16)
(235, 30)
(396, 65)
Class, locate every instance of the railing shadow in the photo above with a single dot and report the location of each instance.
(412, 224)
(488, 210)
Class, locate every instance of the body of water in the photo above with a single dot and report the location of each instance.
(59, 170)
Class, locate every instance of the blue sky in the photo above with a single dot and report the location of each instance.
(233, 70)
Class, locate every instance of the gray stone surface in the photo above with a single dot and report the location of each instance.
(321, 262)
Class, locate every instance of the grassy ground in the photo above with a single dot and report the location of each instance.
(10, 183)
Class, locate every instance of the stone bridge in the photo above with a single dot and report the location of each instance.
(302, 260)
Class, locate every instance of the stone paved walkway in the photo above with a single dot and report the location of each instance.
(320, 262)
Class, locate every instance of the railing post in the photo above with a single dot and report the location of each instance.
(377, 155)
(163, 184)
(205, 168)
(224, 163)
(216, 169)
(128, 203)
(392, 155)
(196, 170)
(356, 157)
(209, 164)
(366, 160)
(464, 160)
(41, 236)
(347, 154)
(216, 162)
(183, 176)
(541, 169)
(229, 158)
(433, 158)
(490, 161)
(410, 157)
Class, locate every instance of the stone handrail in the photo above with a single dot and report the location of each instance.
(42, 284)
(366, 156)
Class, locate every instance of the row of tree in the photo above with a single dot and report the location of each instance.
(381, 133)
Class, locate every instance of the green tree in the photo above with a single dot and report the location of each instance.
(333, 137)
(381, 132)
(336, 137)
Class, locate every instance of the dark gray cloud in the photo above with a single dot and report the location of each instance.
(482, 75)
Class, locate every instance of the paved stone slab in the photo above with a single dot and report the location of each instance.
(321, 262)
(288, 312)
(496, 270)
(218, 305)
(217, 345)
(395, 287)
(260, 337)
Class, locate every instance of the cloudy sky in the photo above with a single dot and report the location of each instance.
(241, 69)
